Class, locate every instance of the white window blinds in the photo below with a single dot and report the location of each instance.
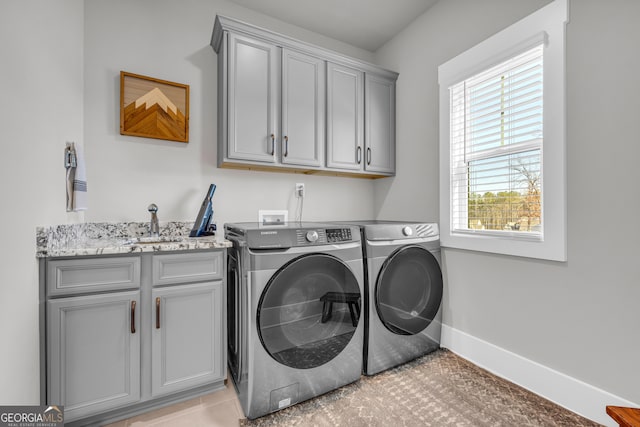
(496, 128)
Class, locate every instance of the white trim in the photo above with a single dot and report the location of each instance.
(466, 65)
(566, 391)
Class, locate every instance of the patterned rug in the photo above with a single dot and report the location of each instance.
(439, 389)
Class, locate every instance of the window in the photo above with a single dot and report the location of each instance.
(496, 142)
(502, 142)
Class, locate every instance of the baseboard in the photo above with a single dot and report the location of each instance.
(573, 394)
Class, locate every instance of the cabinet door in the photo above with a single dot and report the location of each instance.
(252, 99)
(93, 345)
(303, 114)
(186, 343)
(345, 117)
(380, 124)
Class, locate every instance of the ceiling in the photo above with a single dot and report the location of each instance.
(367, 24)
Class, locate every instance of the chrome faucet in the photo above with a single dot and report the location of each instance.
(154, 227)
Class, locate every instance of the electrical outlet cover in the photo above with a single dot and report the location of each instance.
(273, 217)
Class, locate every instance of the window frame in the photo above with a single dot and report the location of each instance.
(547, 25)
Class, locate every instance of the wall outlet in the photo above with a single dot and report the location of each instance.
(299, 189)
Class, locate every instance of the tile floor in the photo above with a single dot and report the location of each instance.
(219, 409)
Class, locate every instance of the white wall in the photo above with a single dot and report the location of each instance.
(41, 85)
(581, 317)
(60, 82)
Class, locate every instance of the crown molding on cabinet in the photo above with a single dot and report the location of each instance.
(223, 23)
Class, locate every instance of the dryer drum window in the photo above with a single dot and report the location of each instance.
(290, 311)
(408, 290)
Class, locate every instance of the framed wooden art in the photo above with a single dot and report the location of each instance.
(153, 108)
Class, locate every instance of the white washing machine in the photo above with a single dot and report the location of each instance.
(294, 299)
(403, 298)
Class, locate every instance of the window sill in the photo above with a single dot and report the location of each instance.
(504, 244)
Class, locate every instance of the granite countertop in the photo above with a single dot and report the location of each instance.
(102, 238)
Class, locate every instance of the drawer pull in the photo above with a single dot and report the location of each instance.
(158, 313)
(133, 317)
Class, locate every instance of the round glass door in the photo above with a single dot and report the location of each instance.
(233, 308)
(408, 290)
(309, 311)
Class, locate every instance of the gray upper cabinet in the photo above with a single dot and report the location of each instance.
(252, 108)
(345, 117)
(380, 127)
(303, 94)
(286, 104)
(274, 108)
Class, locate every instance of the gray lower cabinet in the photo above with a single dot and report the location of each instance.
(125, 333)
(187, 318)
(186, 337)
(94, 352)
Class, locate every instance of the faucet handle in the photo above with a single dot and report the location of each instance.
(153, 208)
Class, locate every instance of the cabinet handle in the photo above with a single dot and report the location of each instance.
(368, 155)
(158, 313)
(359, 154)
(273, 144)
(133, 317)
(286, 146)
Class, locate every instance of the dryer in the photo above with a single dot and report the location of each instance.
(403, 298)
(294, 298)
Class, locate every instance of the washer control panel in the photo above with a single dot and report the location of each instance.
(339, 235)
(289, 235)
(323, 236)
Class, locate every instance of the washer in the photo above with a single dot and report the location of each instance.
(294, 295)
(403, 292)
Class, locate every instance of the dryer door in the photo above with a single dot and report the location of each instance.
(408, 290)
(291, 324)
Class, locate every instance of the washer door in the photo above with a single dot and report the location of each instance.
(408, 290)
(233, 311)
(291, 324)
